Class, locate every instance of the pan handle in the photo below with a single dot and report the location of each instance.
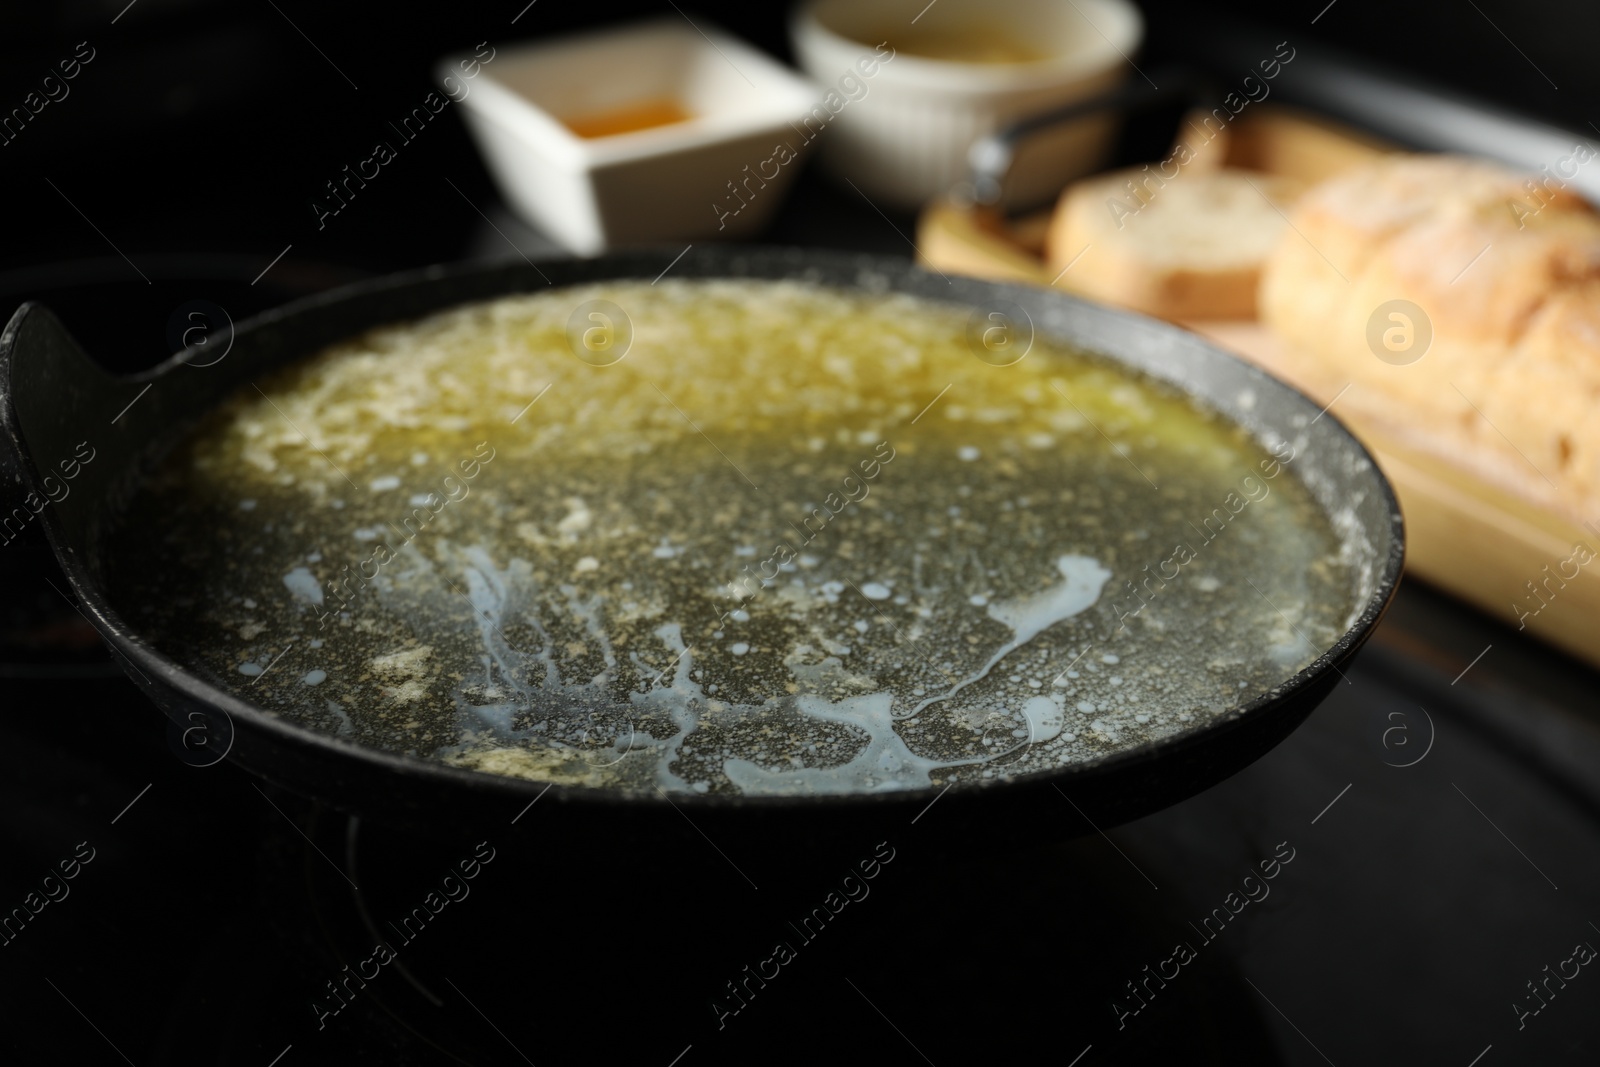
(58, 414)
(990, 158)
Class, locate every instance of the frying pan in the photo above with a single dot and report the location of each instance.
(52, 397)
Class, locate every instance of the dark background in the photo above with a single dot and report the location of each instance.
(210, 126)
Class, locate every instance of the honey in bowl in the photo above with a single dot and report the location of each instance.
(629, 118)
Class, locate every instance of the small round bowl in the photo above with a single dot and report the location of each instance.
(897, 122)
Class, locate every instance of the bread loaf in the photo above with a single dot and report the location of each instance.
(1187, 247)
(1503, 274)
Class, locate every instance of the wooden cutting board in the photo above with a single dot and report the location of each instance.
(1466, 534)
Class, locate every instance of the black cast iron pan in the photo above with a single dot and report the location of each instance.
(55, 398)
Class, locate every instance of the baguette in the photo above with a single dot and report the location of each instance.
(1506, 280)
(1188, 247)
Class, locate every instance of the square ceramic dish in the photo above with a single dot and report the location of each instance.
(718, 171)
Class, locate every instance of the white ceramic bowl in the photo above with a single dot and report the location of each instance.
(718, 174)
(905, 139)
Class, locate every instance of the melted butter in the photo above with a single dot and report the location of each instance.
(970, 44)
(748, 557)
